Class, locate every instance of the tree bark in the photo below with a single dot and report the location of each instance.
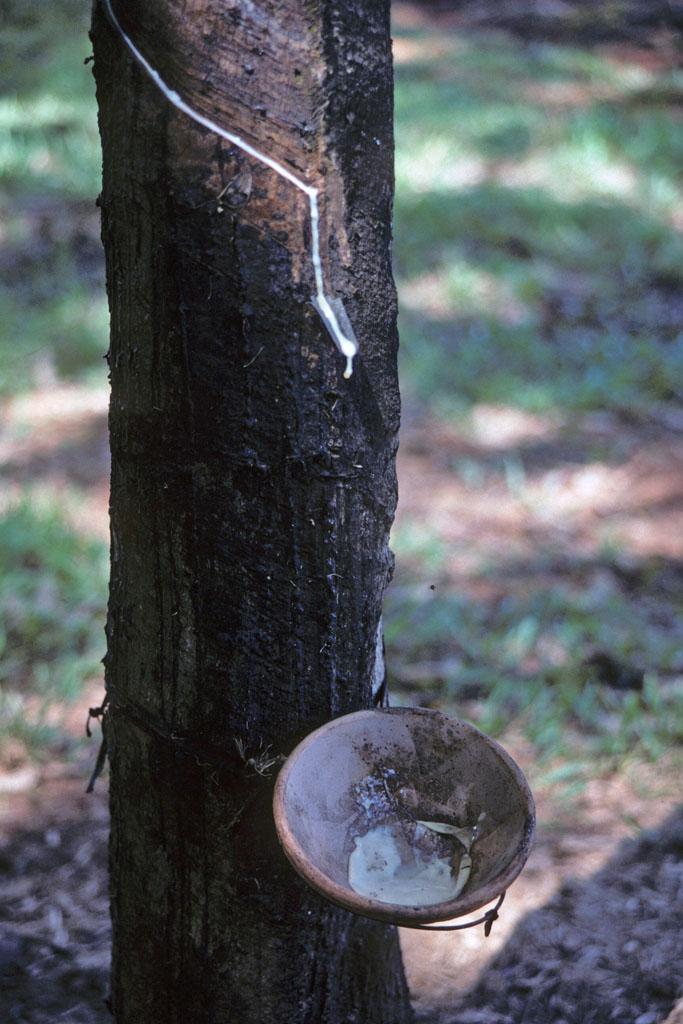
(252, 492)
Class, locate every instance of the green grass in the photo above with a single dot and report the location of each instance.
(537, 251)
(53, 312)
(54, 323)
(538, 256)
(48, 145)
(523, 661)
(48, 118)
(52, 606)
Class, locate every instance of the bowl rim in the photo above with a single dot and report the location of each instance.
(393, 913)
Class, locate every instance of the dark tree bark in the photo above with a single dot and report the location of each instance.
(252, 492)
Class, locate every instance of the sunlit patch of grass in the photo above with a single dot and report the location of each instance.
(570, 718)
(52, 606)
(48, 145)
(419, 544)
(551, 174)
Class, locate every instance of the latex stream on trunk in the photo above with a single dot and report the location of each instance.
(331, 310)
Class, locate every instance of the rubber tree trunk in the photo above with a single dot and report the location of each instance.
(252, 492)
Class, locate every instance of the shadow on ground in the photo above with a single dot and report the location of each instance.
(54, 916)
(608, 950)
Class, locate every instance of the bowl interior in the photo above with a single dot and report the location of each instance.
(359, 771)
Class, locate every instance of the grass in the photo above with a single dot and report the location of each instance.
(538, 256)
(54, 320)
(52, 604)
(53, 326)
(537, 227)
(54, 323)
(555, 663)
(48, 119)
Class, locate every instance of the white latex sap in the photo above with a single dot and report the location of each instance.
(331, 310)
(385, 866)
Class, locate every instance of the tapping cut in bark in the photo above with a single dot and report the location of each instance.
(331, 310)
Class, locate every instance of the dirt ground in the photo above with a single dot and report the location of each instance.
(590, 932)
(54, 912)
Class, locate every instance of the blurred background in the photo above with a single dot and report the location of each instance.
(539, 540)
